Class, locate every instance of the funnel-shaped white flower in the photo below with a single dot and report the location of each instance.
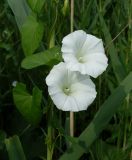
(84, 53)
(70, 91)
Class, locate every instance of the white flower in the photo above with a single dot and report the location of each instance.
(70, 91)
(84, 53)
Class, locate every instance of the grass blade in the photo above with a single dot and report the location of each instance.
(118, 68)
(20, 9)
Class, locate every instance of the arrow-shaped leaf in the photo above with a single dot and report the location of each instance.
(28, 105)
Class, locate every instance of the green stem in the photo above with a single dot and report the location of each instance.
(49, 143)
(50, 146)
(50, 135)
(99, 102)
(100, 5)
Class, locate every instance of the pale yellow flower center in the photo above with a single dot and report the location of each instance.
(67, 90)
(80, 59)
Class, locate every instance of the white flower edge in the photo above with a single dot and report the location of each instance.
(84, 53)
(70, 91)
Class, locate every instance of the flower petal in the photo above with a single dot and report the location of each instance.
(81, 89)
(59, 100)
(87, 57)
(73, 42)
(92, 45)
(84, 93)
(96, 64)
(70, 105)
(55, 77)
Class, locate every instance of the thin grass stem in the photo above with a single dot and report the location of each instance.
(72, 26)
(72, 124)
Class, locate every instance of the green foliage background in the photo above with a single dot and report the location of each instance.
(27, 30)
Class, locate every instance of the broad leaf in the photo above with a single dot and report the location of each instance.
(36, 5)
(32, 33)
(28, 105)
(42, 58)
(14, 148)
(100, 121)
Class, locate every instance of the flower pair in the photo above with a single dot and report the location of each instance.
(69, 83)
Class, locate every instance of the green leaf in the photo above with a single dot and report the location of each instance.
(20, 9)
(36, 5)
(42, 58)
(28, 105)
(14, 148)
(118, 68)
(32, 33)
(100, 120)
